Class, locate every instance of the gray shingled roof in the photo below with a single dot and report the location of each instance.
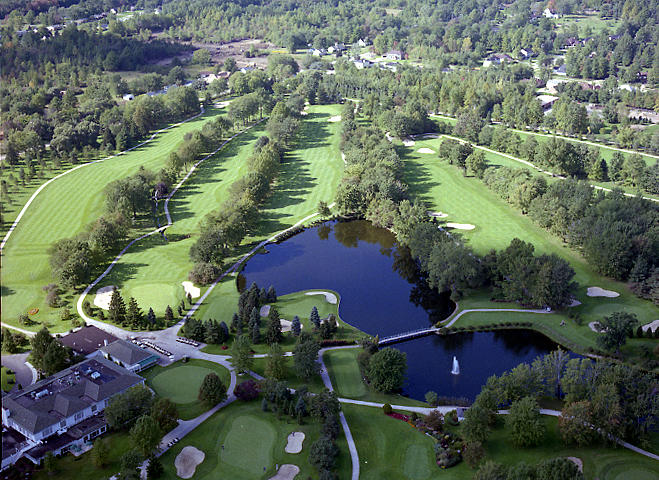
(126, 352)
(68, 393)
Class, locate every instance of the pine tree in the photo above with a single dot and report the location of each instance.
(189, 299)
(224, 332)
(236, 324)
(256, 333)
(296, 326)
(117, 310)
(273, 335)
(314, 318)
(169, 316)
(272, 295)
(255, 318)
(275, 366)
(263, 296)
(134, 315)
(151, 318)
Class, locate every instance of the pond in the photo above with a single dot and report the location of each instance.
(383, 293)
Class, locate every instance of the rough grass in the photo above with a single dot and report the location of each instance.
(315, 384)
(252, 440)
(63, 209)
(180, 383)
(6, 377)
(467, 200)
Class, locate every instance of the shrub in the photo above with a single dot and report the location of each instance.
(204, 273)
(247, 390)
(434, 420)
(473, 453)
(386, 408)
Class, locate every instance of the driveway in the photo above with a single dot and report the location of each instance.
(17, 362)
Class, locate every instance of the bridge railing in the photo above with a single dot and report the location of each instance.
(409, 333)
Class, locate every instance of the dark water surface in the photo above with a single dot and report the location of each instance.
(382, 293)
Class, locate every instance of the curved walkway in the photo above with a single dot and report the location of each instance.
(45, 184)
(474, 310)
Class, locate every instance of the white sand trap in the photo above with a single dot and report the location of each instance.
(343, 157)
(652, 326)
(438, 214)
(574, 303)
(186, 462)
(189, 287)
(286, 472)
(408, 143)
(335, 118)
(389, 137)
(304, 113)
(600, 292)
(329, 296)
(578, 462)
(265, 310)
(461, 226)
(294, 444)
(425, 150)
(286, 325)
(595, 327)
(222, 104)
(103, 296)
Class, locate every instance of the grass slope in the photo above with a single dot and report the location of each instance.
(62, 210)
(180, 383)
(467, 200)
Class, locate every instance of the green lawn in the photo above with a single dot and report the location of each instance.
(594, 22)
(288, 306)
(8, 379)
(82, 467)
(180, 383)
(252, 440)
(390, 448)
(467, 200)
(63, 209)
(347, 380)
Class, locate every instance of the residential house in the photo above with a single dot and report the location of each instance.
(128, 97)
(526, 53)
(497, 59)
(394, 55)
(547, 101)
(560, 70)
(548, 13)
(128, 355)
(363, 42)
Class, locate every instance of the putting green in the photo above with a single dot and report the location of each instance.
(180, 383)
(249, 434)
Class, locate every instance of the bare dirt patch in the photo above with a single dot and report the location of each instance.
(186, 462)
(295, 441)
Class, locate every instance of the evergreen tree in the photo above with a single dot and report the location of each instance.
(211, 332)
(296, 326)
(273, 334)
(134, 315)
(255, 333)
(263, 296)
(314, 318)
(255, 318)
(151, 318)
(189, 296)
(169, 316)
(272, 295)
(224, 332)
(241, 357)
(275, 366)
(236, 324)
(117, 310)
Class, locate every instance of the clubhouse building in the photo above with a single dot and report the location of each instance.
(63, 412)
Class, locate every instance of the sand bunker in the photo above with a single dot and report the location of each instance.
(461, 226)
(438, 214)
(425, 150)
(335, 118)
(651, 326)
(191, 289)
(286, 472)
(578, 462)
(595, 327)
(329, 296)
(265, 310)
(388, 137)
(286, 325)
(186, 462)
(408, 143)
(103, 296)
(294, 444)
(343, 157)
(575, 303)
(600, 292)
(222, 104)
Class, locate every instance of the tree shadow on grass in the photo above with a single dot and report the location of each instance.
(417, 175)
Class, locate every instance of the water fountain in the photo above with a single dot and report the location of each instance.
(456, 367)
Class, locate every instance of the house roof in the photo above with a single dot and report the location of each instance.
(88, 339)
(126, 352)
(66, 393)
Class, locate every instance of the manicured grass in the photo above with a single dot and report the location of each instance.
(347, 380)
(252, 440)
(467, 200)
(292, 380)
(599, 461)
(390, 448)
(69, 467)
(152, 270)
(8, 379)
(180, 383)
(288, 306)
(594, 22)
(63, 209)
